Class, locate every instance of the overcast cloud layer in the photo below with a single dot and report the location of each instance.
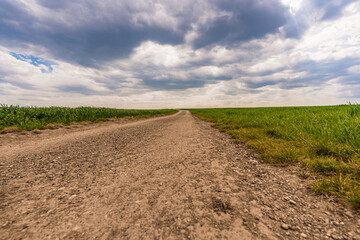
(158, 54)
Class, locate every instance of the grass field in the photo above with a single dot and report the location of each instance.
(324, 139)
(15, 118)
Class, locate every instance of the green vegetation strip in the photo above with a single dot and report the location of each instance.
(324, 139)
(15, 118)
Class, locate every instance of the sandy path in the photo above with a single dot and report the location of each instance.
(171, 177)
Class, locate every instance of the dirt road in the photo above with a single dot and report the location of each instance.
(171, 177)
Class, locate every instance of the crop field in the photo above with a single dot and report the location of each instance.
(15, 118)
(326, 140)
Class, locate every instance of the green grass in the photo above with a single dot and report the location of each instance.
(15, 118)
(324, 139)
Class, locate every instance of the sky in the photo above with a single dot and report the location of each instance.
(179, 53)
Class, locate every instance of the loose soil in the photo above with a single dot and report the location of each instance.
(171, 177)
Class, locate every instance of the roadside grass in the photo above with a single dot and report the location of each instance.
(324, 139)
(15, 118)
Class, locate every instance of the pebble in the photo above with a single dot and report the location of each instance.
(253, 162)
(349, 214)
(76, 228)
(303, 235)
(292, 202)
(72, 197)
(276, 206)
(285, 226)
(335, 237)
(295, 229)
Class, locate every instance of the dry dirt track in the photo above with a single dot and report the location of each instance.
(171, 177)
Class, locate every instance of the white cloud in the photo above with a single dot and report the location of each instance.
(355, 70)
(333, 40)
(151, 53)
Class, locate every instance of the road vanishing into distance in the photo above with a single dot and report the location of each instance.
(170, 177)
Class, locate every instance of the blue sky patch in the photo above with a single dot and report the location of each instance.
(44, 65)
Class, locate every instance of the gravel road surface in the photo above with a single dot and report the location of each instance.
(171, 177)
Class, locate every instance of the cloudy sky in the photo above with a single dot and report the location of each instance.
(173, 54)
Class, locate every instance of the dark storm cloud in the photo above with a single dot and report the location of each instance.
(321, 72)
(90, 47)
(12, 22)
(290, 85)
(54, 4)
(92, 33)
(254, 85)
(317, 74)
(332, 9)
(89, 41)
(78, 89)
(246, 19)
(170, 83)
(267, 72)
(19, 84)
